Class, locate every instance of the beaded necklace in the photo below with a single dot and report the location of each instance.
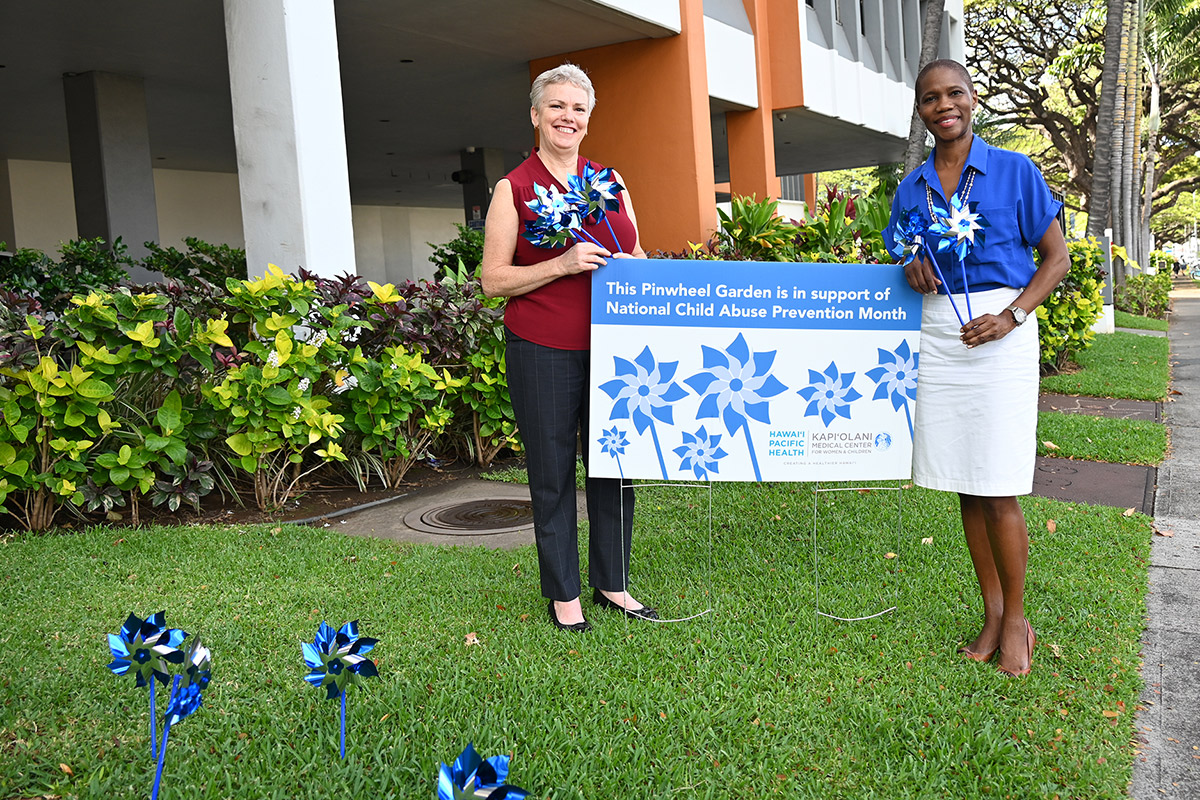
(965, 195)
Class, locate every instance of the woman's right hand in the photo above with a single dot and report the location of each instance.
(921, 277)
(584, 257)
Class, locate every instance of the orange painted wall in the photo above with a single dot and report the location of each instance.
(651, 124)
(751, 134)
(783, 31)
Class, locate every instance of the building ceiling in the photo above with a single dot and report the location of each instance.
(421, 80)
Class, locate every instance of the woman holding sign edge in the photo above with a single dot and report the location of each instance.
(976, 411)
(548, 321)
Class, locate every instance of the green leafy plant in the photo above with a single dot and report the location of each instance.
(1066, 318)
(463, 253)
(84, 265)
(1145, 295)
(754, 231)
(212, 263)
(844, 229)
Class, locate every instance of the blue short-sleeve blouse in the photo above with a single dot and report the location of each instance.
(1015, 201)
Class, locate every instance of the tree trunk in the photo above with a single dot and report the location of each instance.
(931, 34)
(1130, 215)
(1098, 200)
(1150, 165)
(1116, 195)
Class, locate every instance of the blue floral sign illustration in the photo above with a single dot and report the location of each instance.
(700, 453)
(644, 391)
(829, 394)
(736, 388)
(896, 379)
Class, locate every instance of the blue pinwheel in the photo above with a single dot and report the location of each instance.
(613, 442)
(148, 648)
(337, 660)
(558, 219)
(594, 192)
(471, 776)
(736, 388)
(958, 231)
(700, 452)
(644, 391)
(829, 394)
(912, 235)
(185, 697)
(896, 378)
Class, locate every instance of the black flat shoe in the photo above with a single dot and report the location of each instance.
(578, 627)
(643, 613)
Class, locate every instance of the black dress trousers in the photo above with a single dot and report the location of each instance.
(549, 390)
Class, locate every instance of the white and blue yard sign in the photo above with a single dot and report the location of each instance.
(752, 371)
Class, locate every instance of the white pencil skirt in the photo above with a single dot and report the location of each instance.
(975, 426)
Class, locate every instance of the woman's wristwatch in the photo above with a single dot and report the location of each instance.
(1019, 314)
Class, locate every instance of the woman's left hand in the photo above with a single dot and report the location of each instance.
(987, 328)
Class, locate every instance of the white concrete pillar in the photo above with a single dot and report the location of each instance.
(291, 140)
(111, 165)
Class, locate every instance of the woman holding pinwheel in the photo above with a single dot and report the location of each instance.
(966, 223)
(552, 221)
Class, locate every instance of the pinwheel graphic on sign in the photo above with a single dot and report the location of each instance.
(337, 659)
(473, 777)
(896, 379)
(613, 442)
(736, 388)
(700, 453)
(644, 391)
(149, 648)
(829, 394)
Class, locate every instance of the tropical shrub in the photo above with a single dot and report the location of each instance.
(1066, 318)
(754, 231)
(463, 253)
(85, 264)
(844, 229)
(1145, 295)
(211, 263)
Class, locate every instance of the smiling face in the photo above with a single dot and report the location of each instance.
(945, 103)
(562, 117)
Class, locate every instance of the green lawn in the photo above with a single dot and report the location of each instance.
(1124, 365)
(1119, 441)
(1126, 320)
(754, 699)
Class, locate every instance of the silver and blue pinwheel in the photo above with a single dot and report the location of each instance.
(957, 232)
(337, 660)
(700, 453)
(557, 219)
(829, 394)
(644, 390)
(148, 648)
(186, 697)
(594, 192)
(896, 378)
(471, 776)
(736, 387)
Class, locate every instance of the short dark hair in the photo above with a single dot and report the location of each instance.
(947, 63)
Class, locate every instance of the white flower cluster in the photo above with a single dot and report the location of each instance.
(273, 359)
(304, 384)
(296, 413)
(319, 339)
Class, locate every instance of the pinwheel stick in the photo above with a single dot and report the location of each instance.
(750, 447)
(962, 265)
(162, 749)
(942, 278)
(620, 249)
(576, 233)
(153, 732)
(343, 724)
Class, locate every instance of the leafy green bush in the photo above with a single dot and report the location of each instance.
(85, 264)
(845, 229)
(1145, 295)
(213, 263)
(1066, 318)
(462, 253)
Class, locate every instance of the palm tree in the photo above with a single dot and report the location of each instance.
(1098, 204)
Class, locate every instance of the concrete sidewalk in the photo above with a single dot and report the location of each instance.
(1168, 725)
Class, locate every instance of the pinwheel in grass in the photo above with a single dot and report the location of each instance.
(896, 378)
(700, 453)
(148, 648)
(613, 442)
(338, 659)
(185, 697)
(958, 231)
(644, 391)
(557, 220)
(829, 394)
(594, 192)
(736, 388)
(472, 777)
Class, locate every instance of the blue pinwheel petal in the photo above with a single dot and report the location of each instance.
(312, 656)
(118, 646)
(808, 391)
(674, 393)
(662, 414)
(507, 792)
(739, 349)
(367, 669)
(666, 370)
(832, 371)
(763, 362)
(771, 387)
(851, 395)
(645, 359)
(120, 666)
(717, 453)
(876, 373)
(813, 408)
(445, 785)
(898, 400)
(708, 407)
(682, 451)
(641, 420)
(621, 409)
(815, 377)
(623, 366)
(700, 382)
(184, 702)
(465, 765)
(713, 357)
(732, 419)
(613, 388)
(492, 771)
(881, 390)
(826, 416)
(759, 411)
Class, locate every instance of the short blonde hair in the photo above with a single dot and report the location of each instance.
(564, 73)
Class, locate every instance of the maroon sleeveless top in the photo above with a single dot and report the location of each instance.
(559, 314)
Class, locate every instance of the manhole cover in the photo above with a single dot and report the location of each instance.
(473, 518)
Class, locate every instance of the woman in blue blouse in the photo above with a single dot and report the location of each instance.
(976, 411)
